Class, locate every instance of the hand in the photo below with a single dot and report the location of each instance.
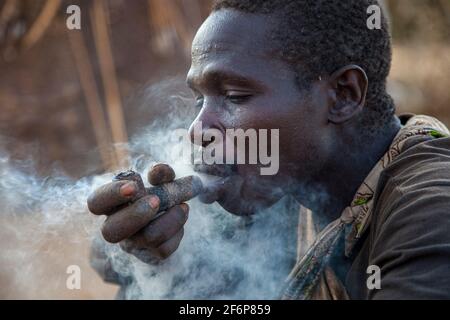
(130, 223)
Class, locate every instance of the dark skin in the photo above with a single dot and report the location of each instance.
(151, 240)
(239, 82)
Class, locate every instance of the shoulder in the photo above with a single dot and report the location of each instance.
(418, 179)
(424, 157)
(410, 238)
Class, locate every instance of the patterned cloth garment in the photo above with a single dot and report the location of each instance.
(312, 277)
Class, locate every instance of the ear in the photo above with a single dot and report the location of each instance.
(349, 86)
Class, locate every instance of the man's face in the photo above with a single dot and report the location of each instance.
(239, 83)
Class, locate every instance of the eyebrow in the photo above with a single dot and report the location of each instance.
(216, 76)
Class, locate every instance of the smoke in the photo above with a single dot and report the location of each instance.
(220, 257)
(44, 227)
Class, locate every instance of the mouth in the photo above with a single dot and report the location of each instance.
(215, 180)
(234, 191)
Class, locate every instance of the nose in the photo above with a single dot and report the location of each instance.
(206, 120)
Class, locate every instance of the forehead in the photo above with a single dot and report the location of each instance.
(228, 29)
(236, 41)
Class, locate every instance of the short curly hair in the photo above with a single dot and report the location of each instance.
(318, 37)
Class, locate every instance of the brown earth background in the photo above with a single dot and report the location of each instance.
(66, 95)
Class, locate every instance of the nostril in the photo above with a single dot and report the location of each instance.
(206, 129)
(197, 134)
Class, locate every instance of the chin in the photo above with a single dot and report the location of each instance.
(239, 208)
(239, 192)
(242, 196)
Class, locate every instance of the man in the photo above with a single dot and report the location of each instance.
(379, 185)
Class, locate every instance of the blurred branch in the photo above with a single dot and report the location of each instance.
(169, 24)
(90, 90)
(445, 9)
(41, 24)
(9, 10)
(9, 21)
(100, 21)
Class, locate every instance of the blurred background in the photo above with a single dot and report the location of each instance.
(66, 95)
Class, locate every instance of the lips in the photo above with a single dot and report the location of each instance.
(240, 195)
(215, 180)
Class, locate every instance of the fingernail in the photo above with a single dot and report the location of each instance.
(154, 202)
(128, 189)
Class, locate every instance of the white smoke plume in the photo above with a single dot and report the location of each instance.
(46, 227)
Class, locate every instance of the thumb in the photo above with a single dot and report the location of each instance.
(160, 173)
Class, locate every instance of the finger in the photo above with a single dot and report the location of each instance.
(152, 255)
(162, 229)
(111, 195)
(160, 173)
(145, 255)
(126, 222)
(169, 247)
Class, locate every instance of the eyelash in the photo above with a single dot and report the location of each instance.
(238, 99)
(199, 102)
(233, 98)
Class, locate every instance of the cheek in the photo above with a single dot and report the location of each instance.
(303, 144)
(296, 120)
(299, 134)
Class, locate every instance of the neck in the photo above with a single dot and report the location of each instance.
(336, 184)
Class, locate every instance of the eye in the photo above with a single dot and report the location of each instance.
(199, 101)
(238, 97)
